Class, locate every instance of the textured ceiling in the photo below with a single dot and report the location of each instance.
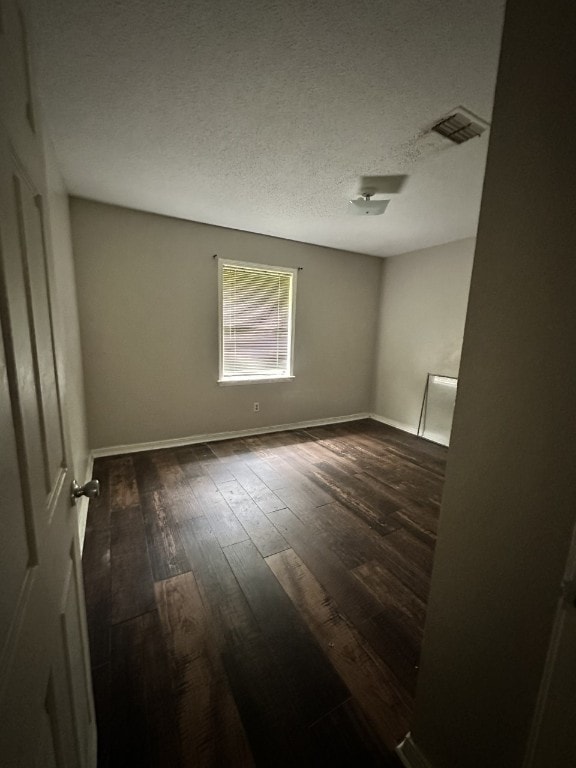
(262, 115)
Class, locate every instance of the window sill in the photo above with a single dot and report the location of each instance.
(254, 380)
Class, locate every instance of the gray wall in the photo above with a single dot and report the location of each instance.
(422, 312)
(147, 291)
(509, 498)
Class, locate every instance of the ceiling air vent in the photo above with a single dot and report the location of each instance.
(460, 126)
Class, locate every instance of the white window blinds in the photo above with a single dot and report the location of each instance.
(256, 321)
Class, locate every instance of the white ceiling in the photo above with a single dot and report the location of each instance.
(261, 115)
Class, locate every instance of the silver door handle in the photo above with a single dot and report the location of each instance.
(91, 489)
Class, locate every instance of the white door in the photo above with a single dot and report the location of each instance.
(46, 708)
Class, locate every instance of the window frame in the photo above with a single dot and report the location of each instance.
(247, 379)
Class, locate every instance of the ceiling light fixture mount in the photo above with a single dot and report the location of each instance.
(365, 206)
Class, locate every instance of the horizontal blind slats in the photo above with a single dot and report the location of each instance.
(256, 321)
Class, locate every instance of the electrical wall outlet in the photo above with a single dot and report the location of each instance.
(256, 407)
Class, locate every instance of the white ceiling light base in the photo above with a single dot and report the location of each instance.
(364, 206)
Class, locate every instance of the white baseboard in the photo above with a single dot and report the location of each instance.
(397, 424)
(116, 450)
(410, 755)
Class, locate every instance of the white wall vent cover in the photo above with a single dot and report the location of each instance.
(460, 126)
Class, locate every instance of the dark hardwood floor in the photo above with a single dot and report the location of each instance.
(261, 601)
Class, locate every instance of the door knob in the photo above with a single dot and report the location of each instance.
(91, 489)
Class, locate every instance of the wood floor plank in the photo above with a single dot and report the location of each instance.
(406, 480)
(315, 683)
(122, 483)
(99, 507)
(266, 499)
(225, 524)
(401, 498)
(202, 451)
(269, 713)
(295, 472)
(211, 732)
(392, 593)
(261, 531)
(188, 461)
(346, 534)
(327, 533)
(316, 452)
(299, 499)
(300, 476)
(269, 710)
(392, 470)
(422, 452)
(396, 450)
(357, 454)
(147, 477)
(372, 502)
(228, 449)
(353, 536)
(373, 506)
(263, 469)
(361, 552)
(170, 473)
(231, 617)
(408, 474)
(223, 521)
(217, 470)
(356, 602)
(186, 506)
(144, 726)
(202, 484)
(167, 555)
(226, 454)
(131, 575)
(396, 643)
(368, 678)
(421, 521)
(409, 559)
(275, 441)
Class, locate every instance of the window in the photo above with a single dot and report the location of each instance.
(256, 321)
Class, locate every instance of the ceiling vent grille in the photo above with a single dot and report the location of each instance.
(460, 126)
